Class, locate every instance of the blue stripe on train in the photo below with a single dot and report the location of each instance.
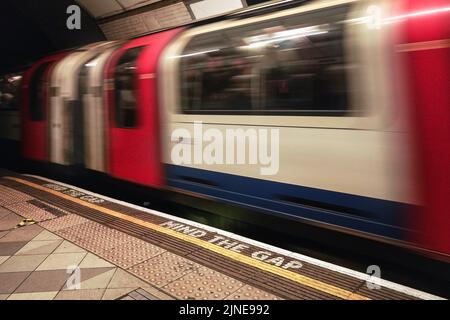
(380, 217)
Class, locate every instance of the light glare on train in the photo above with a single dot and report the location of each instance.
(285, 35)
(374, 18)
(196, 53)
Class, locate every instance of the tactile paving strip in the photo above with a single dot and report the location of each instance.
(11, 196)
(64, 222)
(285, 288)
(95, 237)
(204, 284)
(164, 268)
(169, 243)
(49, 208)
(131, 253)
(30, 211)
(251, 293)
(68, 205)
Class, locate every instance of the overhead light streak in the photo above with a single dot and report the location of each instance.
(196, 53)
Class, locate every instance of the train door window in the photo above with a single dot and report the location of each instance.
(83, 80)
(37, 93)
(292, 65)
(126, 112)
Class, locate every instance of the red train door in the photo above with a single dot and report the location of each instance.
(134, 139)
(426, 51)
(35, 109)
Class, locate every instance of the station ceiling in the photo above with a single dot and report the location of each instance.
(31, 29)
(105, 8)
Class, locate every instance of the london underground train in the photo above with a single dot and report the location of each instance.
(349, 100)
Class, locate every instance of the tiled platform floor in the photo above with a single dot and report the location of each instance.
(34, 264)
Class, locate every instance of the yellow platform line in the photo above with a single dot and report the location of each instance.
(304, 280)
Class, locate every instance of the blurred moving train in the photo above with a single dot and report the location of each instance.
(359, 90)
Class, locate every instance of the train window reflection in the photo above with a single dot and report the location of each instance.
(125, 89)
(217, 75)
(9, 91)
(291, 65)
(37, 93)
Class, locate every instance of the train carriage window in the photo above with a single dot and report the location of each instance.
(294, 65)
(10, 91)
(37, 93)
(218, 75)
(125, 89)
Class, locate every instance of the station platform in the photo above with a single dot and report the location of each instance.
(74, 244)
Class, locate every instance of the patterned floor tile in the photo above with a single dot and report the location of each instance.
(9, 215)
(29, 211)
(94, 278)
(3, 213)
(46, 235)
(203, 284)
(251, 293)
(63, 261)
(63, 222)
(113, 294)
(164, 269)
(139, 295)
(123, 279)
(22, 263)
(158, 293)
(9, 222)
(22, 234)
(131, 253)
(68, 247)
(33, 296)
(10, 248)
(39, 247)
(92, 261)
(44, 281)
(10, 196)
(3, 259)
(10, 281)
(91, 294)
